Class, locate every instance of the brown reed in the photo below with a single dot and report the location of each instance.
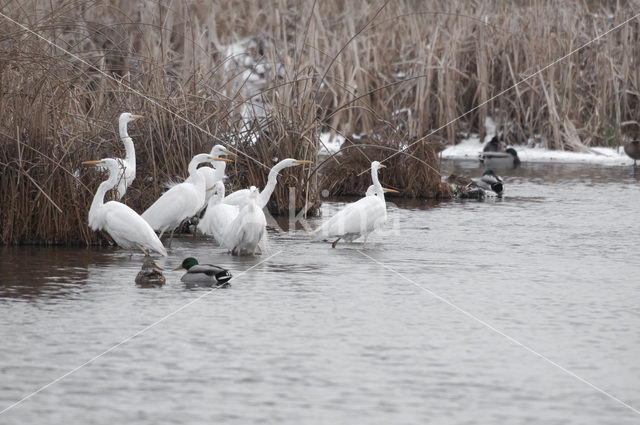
(393, 71)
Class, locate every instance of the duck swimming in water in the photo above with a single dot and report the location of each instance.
(465, 188)
(203, 273)
(632, 148)
(506, 159)
(491, 181)
(494, 145)
(150, 275)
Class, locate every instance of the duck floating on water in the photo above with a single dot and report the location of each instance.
(632, 148)
(465, 188)
(468, 188)
(506, 159)
(150, 275)
(203, 273)
(491, 181)
(494, 145)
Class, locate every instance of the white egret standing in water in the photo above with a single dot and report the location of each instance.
(211, 175)
(359, 218)
(240, 197)
(243, 235)
(182, 201)
(123, 224)
(218, 215)
(127, 165)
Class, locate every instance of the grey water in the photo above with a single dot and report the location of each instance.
(521, 310)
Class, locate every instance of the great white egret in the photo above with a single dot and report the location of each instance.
(211, 175)
(123, 224)
(359, 218)
(240, 197)
(506, 159)
(182, 201)
(218, 215)
(243, 235)
(127, 165)
(203, 273)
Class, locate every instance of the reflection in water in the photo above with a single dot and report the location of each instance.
(326, 335)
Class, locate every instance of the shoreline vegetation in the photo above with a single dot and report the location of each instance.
(266, 82)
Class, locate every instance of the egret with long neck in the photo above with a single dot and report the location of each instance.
(240, 197)
(359, 218)
(123, 224)
(127, 164)
(182, 201)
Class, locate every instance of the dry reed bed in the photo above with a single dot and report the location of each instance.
(394, 71)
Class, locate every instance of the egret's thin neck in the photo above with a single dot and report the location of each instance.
(376, 183)
(122, 127)
(218, 174)
(272, 180)
(98, 199)
(130, 151)
(196, 176)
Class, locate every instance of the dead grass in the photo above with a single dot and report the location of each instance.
(393, 71)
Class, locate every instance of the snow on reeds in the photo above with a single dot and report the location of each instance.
(268, 80)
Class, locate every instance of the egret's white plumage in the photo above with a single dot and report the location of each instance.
(240, 197)
(359, 218)
(218, 215)
(126, 165)
(243, 235)
(182, 201)
(211, 175)
(123, 224)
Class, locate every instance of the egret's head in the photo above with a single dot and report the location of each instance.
(219, 150)
(291, 162)
(128, 117)
(108, 163)
(376, 165)
(253, 192)
(187, 263)
(512, 151)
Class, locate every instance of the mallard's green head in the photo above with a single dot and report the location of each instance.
(489, 173)
(512, 151)
(187, 263)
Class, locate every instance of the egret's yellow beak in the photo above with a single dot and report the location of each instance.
(215, 158)
(178, 268)
(303, 161)
(383, 166)
(228, 152)
(136, 117)
(385, 190)
(211, 188)
(90, 162)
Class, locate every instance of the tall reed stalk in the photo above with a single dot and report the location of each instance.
(268, 80)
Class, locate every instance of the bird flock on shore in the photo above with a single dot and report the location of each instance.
(236, 221)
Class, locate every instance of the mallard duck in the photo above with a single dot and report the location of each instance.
(491, 181)
(494, 145)
(632, 148)
(150, 275)
(506, 159)
(465, 188)
(203, 273)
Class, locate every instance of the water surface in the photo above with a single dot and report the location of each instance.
(316, 335)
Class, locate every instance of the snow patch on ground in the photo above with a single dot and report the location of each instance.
(471, 147)
(330, 145)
